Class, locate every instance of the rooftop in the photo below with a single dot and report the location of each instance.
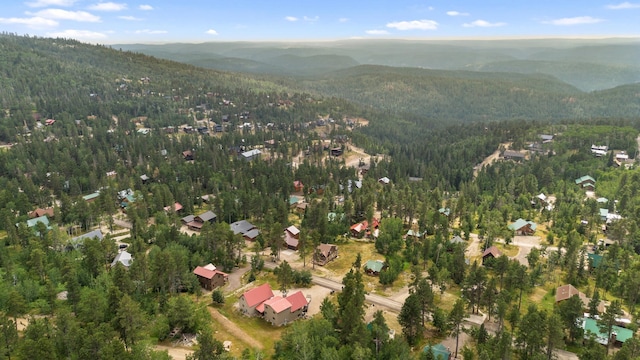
(258, 295)
(374, 265)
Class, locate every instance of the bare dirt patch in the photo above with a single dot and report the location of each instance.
(354, 155)
(176, 353)
(234, 329)
(490, 159)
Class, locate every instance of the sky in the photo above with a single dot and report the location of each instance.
(163, 21)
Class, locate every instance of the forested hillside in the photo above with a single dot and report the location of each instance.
(124, 175)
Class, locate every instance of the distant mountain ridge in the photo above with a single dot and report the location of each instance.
(586, 64)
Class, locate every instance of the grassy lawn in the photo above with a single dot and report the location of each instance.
(257, 328)
(508, 250)
(397, 285)
(347, 255)
(543, 297)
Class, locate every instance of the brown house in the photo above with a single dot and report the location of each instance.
(41, 212)
(490, 253)
(523, 227)
(198, 221)
(513, 155)
(325, 253)
(301, 207)
(209, 277)
(187, 155)
(292, 237)
(565, 292)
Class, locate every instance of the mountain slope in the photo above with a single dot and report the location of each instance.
(451, 95)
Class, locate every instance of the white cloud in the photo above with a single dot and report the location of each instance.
(483, 23)
(624, 5)
(108, 6)
(59, 14)
(343, 20)
(211, 32)
(130, 18)
(377, 32)
(32, 22)
(311, 19)
(45, 3)
(145, 7)
(414, 25)
(78, 34)
(457, 13)
(578, 20)
(151, 32)
(291, 18)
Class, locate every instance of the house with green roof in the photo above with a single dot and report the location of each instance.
(604, 213)
(439, 351)
(619, 335)
(43, 219)
(594, 260)
(91, 197)
(374, 267)
(31, 223)
(294, 200)
(523, 227)
(586, 182)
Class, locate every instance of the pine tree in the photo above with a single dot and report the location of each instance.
(351, 307)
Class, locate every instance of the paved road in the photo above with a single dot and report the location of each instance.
(390, 304)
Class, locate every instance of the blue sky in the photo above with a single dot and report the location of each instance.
(158, 21)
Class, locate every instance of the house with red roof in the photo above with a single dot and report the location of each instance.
(210, 277)
(251, 299)
(281, 311)
(277, 310)
(298, 186)
(176, 207)
(358, 230)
